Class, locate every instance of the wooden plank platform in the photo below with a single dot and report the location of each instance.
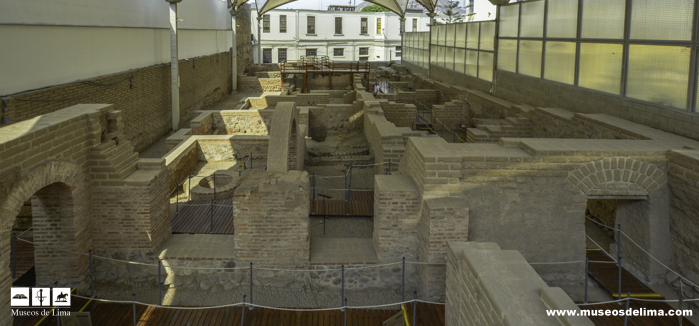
(122, 314)
(361, 203)
(194, 217)
(607, 275)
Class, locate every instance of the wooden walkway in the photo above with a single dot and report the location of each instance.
(112, 314)
(607, 275)
(361, 203)
(194, 217)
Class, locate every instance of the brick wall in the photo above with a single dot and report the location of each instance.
(255, 84)
(489, 286)
(146, 107)
(542, 93)
(334, 116)
(400, 114)
(222, 148)
(684, 208)
(396, 212)
(441, 220)
(180, 161)
(386, 141)
(272, 223)
(298, 99)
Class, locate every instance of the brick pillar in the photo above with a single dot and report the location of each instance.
(396, 209)
(441, 220)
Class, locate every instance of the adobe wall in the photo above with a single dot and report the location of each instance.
(147, 106)
(396, 214)
(490, 286)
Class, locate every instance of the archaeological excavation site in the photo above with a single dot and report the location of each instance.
(537, 167)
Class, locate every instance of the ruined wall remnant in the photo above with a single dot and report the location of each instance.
(271, 216)
(489, 286)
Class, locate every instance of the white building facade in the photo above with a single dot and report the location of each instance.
(288, 34)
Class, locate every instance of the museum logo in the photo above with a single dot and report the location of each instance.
(40, 297)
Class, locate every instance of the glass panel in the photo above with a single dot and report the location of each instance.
(532, 19)
(509, 20)
(440, 56)
(488, 36)
(442, 35)
(472, 63)
(450, 34)
(562, 18)
(461, 35)
(433, 55)
(472, 40)
(507, 55)
(433, 32)
(530, 58)
(662, 20)
(603, 19)
(600, 67)
(485, 66)
(659, 74)
(449, 59)
(459, 57)
(560, 62)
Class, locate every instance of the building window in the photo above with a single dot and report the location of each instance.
(414, 24)
(311, 25)
(265, 24)
(311, 52)
(338, 25)
(363, 51)
(398, 51)
(338, 52)
(364, 26)
(378, 25)
(282, 24)
(363, 59)
(266, 55)
(281, 55)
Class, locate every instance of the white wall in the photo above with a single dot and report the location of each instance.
(381, 46)
(47, 43)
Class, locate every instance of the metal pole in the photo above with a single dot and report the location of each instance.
(242, 320)
(92, 276)
(681, 300)
(415, 309)
(211, 222)
(189, 188)
(628, 301)
(345, 311)
(178, 199)
(214, 185)
(349, 187)
(346, 195)
(618, 252)
(587, 270)
(14, 256)
(343, 284)
(160, 293)
(250, 283)
(403, 282)
(134, 309)
(389, 166)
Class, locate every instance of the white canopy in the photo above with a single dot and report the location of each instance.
(397, 6)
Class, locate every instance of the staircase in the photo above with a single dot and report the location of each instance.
(114, 158)
(518, 126)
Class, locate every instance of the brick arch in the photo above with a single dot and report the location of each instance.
(283, 153)
(60, 197)
(617, 176)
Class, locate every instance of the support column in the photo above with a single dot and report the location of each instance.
(174, 69)
(234, 54)
(429, 46)
(259, 39)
